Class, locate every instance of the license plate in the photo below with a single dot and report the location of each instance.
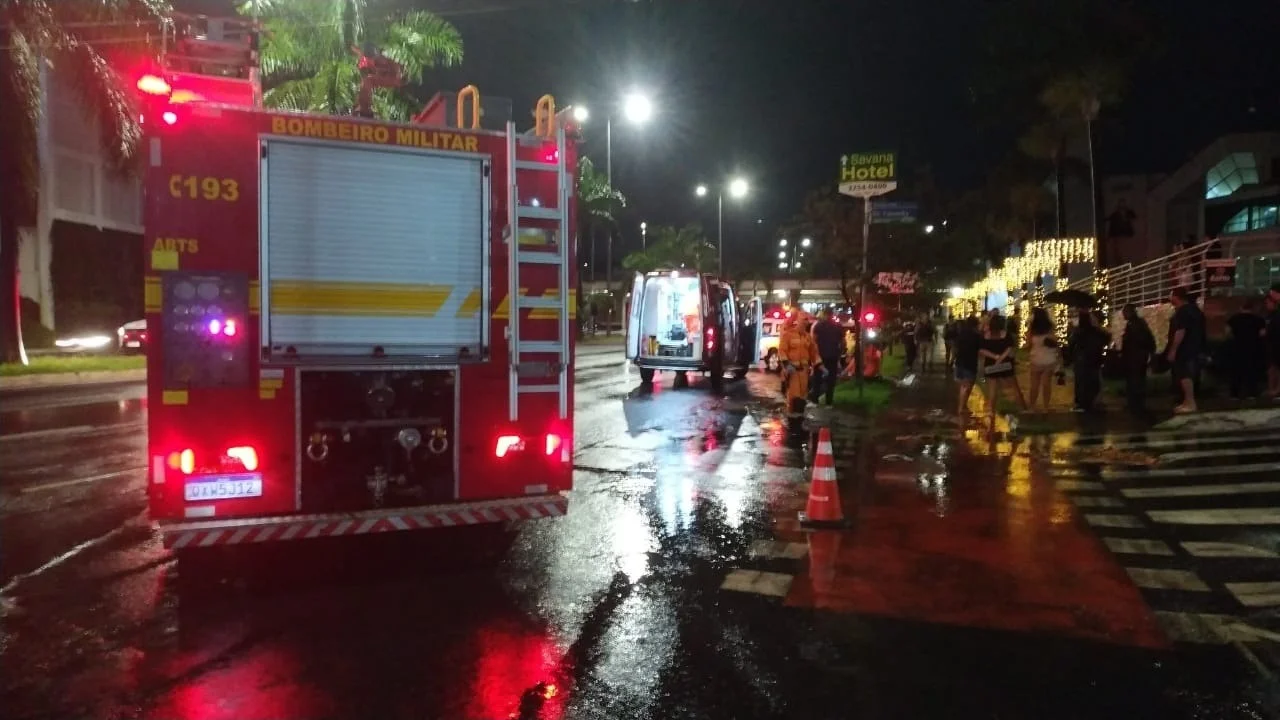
(133, 343)
(224, 487)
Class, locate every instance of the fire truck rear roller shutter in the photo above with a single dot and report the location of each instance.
(369, 247)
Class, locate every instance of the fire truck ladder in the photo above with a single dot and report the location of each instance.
(553, 221)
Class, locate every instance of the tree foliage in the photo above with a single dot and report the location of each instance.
(58, 35)
(671, 247)
(308, 63)
(834, 223)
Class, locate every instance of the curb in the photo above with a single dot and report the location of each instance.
(40, 381)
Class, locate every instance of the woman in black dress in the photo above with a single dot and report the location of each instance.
(997, 353)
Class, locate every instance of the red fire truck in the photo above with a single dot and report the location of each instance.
(355, 326)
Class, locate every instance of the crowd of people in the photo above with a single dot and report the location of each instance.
(986, 346)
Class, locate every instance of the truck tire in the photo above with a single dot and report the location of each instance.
(739, 374)
(716, 374)
(646, 376)
(682, 379)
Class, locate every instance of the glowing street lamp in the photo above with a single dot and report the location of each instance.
(637, 109)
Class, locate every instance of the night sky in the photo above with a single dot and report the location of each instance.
(777, 91)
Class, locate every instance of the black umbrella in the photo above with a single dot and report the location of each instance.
(1072, 298)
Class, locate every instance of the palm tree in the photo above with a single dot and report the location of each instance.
(684, 247)
(308, 63)
(598, 206)
(1078, 97)
(60, 34)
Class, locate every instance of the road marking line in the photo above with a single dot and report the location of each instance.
(1222, 452)
(1108, 474)
(1132, 546)
(81, 481)
(1256, 594)
(55, 562)
(778, 549)
(70, 430)
(1160, 579)
(1209, 549)
(1201, 490)
(1172, 434)
(1096, 501)
(1234, 516)
(1113, 520)
(1205, 628)
(754, 581)
(1075, 485)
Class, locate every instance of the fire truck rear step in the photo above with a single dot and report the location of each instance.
(231, 531)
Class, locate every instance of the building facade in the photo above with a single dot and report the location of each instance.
(1230, 190)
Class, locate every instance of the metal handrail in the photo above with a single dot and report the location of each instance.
(1150, 283)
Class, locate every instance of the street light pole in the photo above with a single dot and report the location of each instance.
(720, 233)
(608, 149)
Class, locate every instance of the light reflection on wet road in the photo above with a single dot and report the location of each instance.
(615, 611)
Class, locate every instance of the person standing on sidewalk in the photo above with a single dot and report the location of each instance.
(1186, 342)
(997, 350)
(828, 335)
(1085, 349)
(1272, 336)
(949, 339)
(966, 363)
(909, 344)
(1137, 345)
(925, 335)
(1248, 351)
(1043, 352)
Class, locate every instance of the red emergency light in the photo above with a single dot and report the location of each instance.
(868, 317)
(154, 85)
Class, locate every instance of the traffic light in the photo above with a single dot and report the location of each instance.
(869, 317)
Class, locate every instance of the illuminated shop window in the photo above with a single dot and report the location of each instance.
(1253, 218)
(1232, 173)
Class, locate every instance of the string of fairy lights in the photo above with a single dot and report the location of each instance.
(1022, 280)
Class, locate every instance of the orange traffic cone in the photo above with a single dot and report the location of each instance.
(823, 509)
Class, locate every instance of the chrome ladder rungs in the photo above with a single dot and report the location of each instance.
(538, 389)
(535, 212)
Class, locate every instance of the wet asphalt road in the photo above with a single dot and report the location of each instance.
(614, 611)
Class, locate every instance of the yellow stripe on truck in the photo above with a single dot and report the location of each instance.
(290, 297)
(504, 308)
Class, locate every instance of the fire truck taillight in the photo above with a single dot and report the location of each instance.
(184, 460)
(508, 444)
(169, 117)
(247, 456)
(154, 85)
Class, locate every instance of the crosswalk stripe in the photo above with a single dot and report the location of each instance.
(1175, 435)
(1235, 516)
(1130, 546)
(1210, 549)
(1160, 579)
(1076, 485)
(1096, 501)
(1194, 440)
(1113, 520)
(1256, 594)
(1109, 474)
(1168, 458)
(1173, 491)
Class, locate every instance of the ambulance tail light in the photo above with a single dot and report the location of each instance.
(711, 339)
(508, 444)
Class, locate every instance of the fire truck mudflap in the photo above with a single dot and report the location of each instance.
(356, 327)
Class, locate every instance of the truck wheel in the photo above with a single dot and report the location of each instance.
(739, 374)
(682, 379)
(771, 361)
(717, 381)
(646, 376)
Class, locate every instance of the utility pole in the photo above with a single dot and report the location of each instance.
(862, 296)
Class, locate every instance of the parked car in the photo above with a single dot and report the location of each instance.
(132, 336)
